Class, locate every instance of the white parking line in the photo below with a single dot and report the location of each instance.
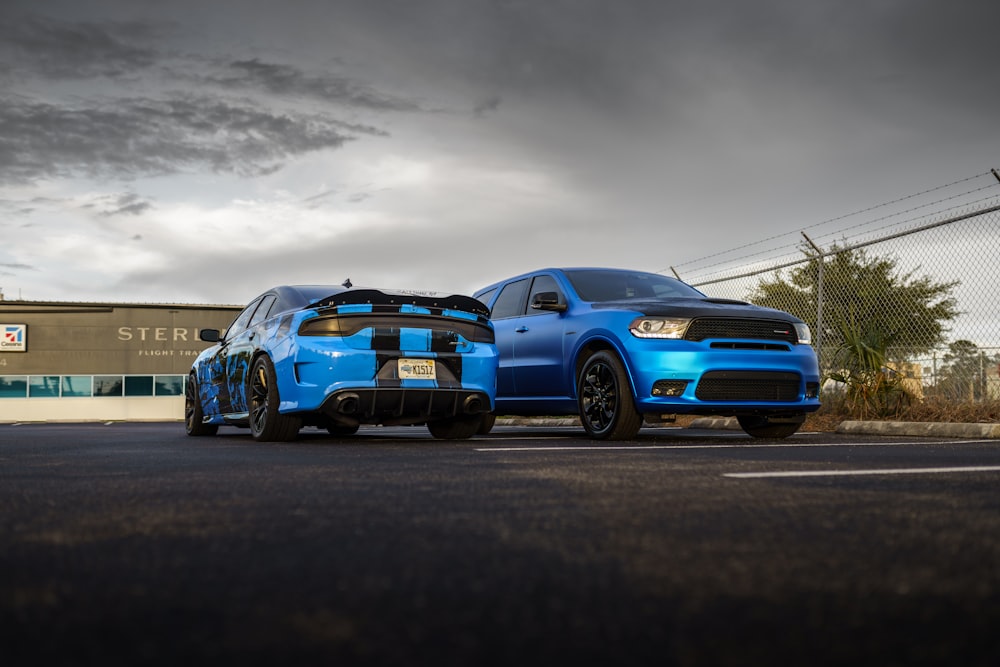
(743, 444)
(847, 473)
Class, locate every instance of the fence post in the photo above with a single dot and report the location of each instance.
(821, 258)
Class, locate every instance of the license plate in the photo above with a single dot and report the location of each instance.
(416, 369)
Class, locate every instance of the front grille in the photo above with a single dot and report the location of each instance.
(748, 386)
(746, 345)
(726, 327)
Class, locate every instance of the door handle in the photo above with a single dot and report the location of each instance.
(521, 329)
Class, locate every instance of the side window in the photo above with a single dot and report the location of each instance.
(510, 303)
(263, 310)
(241, 322)
(543, 283)
(486, 296)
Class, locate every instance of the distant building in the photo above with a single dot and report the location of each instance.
(63, 361)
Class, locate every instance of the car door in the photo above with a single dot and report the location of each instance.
(505, 314)
(539, 339)
(233, 362)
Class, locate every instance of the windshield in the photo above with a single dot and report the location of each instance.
(614, 285)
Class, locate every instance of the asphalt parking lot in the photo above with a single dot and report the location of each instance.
(134, 544)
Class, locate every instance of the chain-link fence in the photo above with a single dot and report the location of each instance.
(903, 305)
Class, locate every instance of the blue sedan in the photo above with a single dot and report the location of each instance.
(621, 347)
(335, 358)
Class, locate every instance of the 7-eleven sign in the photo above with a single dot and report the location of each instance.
(13, 337)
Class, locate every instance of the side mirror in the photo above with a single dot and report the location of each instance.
(210, 335)
(548, 301)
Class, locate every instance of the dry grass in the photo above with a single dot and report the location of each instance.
(835, 411)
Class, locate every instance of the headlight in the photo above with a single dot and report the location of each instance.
(802, 331)
(659, 327)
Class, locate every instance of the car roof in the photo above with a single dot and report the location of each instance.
(563, 270)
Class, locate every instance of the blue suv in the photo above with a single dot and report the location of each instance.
(621, 347)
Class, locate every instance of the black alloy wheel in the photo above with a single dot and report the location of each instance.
(455, 428)
(486, 425)
(193, 412)
(770, 427)
(604, 395)
(341, 430)
(266, 423)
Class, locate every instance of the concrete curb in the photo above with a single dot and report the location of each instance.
(912, 429)
(930, 429)
(722, 423)
(538, 421)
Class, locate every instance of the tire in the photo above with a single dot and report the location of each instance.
(604, 396)
(486, 425)
(764, 427)
(194, 412)
(455, 428)
(341, 430)
(266, 423)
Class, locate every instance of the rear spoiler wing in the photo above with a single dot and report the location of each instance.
(377, 297)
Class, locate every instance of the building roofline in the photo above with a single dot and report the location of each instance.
(10, 305)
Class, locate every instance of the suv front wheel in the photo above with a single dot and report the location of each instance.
(604, 395)
(770, 427)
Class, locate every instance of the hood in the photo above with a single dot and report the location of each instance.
(692, 308)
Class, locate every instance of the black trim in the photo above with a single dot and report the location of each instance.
(402, 405)
(454, 301)
(443, 328)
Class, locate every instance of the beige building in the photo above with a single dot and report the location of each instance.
(63, 361)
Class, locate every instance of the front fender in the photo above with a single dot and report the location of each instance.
(595, 340)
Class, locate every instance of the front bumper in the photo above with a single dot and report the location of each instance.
(714, 377)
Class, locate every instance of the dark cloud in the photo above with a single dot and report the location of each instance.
(639, 57)
(59, 135)
(135, 137)
(687, 124)
(487, 105)
(76, 50)
(284, 80)
(320, 197)
(126, 204)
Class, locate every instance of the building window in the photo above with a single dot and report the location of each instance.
(13, 386)
(43, 386)
(56, 386)
(77, 385)
(170, 385)
(138, 385)
(108, 385)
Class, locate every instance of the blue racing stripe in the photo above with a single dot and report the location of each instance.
(355, 308)
(417, 340)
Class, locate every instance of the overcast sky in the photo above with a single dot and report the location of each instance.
(205, 151)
